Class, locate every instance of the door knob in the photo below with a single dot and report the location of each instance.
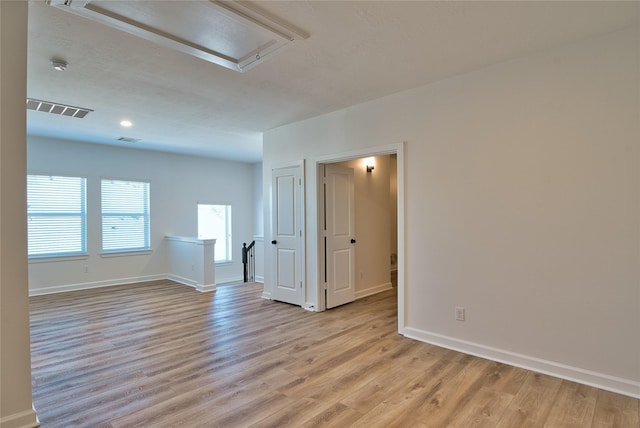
(353, 241)
(274, 242)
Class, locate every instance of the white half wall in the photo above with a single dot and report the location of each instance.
(178, 184)
(522, 205)
(191, 261)
(259, 258)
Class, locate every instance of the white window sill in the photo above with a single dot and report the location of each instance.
(50, 259)
(126, 253)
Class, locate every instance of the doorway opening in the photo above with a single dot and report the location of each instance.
(379, 225)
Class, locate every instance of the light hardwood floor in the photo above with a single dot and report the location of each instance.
(161, 354)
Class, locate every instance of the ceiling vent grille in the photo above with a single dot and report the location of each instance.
(56, 108)
(129, 139)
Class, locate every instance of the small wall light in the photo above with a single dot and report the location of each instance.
(369, 164)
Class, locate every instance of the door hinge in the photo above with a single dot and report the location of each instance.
(300, 181)
(300, 284)
(300, 232)
(324, 180)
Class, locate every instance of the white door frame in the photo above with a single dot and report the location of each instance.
(318, 165)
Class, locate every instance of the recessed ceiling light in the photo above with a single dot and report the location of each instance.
(126, 123)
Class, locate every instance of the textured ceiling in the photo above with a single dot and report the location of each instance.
(357, 51)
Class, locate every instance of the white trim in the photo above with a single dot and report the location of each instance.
(574, 374)
(190, 239)
(229, 280)
(53, 259)
(126, 253)
(309, 307)
(401, 261)
(266, 295)
(259, 244)
(321, 299)
(387, 149)
(26, 419)
(191, 283)
(373, 290)
(96, 284)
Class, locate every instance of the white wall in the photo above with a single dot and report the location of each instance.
(15, 360)
(178, 183)
(522, 205)
(258, 208)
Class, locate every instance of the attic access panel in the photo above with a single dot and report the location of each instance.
(233, 34)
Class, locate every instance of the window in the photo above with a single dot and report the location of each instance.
(214, 222)
(56, 216)
(125, 216)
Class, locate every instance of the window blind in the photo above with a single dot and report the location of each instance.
(125, 216)
(56, 216)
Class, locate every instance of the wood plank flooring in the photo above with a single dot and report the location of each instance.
(161, 354)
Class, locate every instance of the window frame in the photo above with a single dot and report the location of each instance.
(146, 214)
(82, 214)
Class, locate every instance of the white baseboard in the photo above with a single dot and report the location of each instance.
(191, 283)
(310, 307)
(26, 419)
(373, 290)
(230, 279)
(96, 284)
(574, 374)
(259, 279)
(266, 295)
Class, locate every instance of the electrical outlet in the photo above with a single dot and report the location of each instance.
(459, 314)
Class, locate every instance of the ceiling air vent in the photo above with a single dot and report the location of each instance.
(56, 108)
(129, 139)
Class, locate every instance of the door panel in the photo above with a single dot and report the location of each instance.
(340, 206)
(287, 235)
(285, 206)
(341, 270)
(286, 263)
(340, 235)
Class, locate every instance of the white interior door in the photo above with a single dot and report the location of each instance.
(287, 235)
(339, 236)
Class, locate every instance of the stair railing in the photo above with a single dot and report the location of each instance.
(248, 262)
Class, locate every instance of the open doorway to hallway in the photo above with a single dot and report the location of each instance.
(375, 262)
